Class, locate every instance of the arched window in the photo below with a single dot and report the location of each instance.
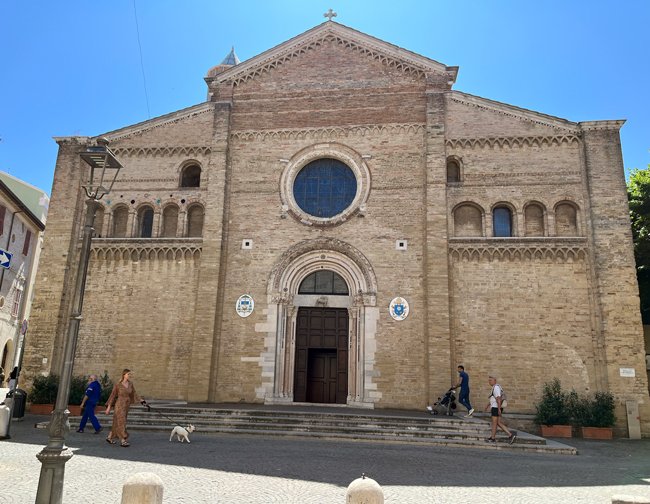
(191, 176)
(98, 223)
(534, 215)
(502, 221)
(120, 221)
(453, 171)
(145, 222)
(170, 221)
(468, 221)
(195, 221)
(324, 282)
(566, 220)
(325, 187)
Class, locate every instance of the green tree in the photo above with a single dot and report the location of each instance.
(638, 195)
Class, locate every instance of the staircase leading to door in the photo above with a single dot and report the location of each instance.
(333, 423)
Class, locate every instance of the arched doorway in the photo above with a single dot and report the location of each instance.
(321, 322)
(321, 363)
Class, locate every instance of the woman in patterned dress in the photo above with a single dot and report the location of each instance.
(122, 396)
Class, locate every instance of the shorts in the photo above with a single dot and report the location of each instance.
(495, 411)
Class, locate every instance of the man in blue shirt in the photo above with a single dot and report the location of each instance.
(463, 396)
(88, 403)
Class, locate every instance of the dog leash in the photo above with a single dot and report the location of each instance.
(155, 410)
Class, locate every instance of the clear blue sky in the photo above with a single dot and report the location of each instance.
(73, 67)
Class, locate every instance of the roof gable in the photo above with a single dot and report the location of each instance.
(371, 47)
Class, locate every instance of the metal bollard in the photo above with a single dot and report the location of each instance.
(364, 491)
(143, 488)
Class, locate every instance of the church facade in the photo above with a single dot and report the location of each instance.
(337, 224)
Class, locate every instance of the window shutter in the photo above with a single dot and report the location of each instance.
(28, 237)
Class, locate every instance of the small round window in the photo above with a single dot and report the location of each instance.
(324, 188)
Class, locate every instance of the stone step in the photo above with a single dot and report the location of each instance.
(415, 427)
(522, 444)
(424, 424)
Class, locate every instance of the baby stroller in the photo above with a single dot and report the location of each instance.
(445, 405)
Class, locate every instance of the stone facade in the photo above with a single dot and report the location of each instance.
(436, 170)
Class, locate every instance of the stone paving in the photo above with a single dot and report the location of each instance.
(260, 470)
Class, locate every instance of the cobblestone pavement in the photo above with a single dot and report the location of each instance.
(260, 470)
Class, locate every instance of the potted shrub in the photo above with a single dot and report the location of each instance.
(77, 390)
(595, 416)
(553, 413)
(43, 394)
(107, 388)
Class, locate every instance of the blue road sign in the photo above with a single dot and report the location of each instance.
(5, 258)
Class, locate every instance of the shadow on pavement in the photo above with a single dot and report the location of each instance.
(599, 463)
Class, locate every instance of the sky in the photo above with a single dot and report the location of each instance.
(75, 67)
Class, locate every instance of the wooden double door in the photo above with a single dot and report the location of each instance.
(321, 369)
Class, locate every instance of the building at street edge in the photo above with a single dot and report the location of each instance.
(337, 224)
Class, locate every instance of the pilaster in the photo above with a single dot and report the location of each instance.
(51, 305)
(611, 239)
(204, 363)
(436, 269)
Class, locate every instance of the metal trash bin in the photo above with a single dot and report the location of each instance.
(20, 401)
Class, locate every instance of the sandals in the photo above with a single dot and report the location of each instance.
(110, 441)
(124, 444)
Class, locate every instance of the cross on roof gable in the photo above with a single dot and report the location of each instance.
(373, 47)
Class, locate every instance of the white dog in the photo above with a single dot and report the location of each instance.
(182, 433)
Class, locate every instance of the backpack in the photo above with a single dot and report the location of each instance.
(504, 400)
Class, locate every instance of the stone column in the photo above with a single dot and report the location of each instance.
(181, 229)
(353, 355)
(157, 219)
(289, 342)
(132, 224)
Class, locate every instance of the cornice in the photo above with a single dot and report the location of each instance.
(516, 112)
(527, 141)
(372, 47)
(157, 122)
(167, 151)
(328, 132)
(615, 124)
(78, 140)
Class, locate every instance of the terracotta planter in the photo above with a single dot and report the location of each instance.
(596, 432)
(41, 409)
(561, 431)
(74, 409)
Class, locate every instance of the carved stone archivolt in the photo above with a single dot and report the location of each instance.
(555, 250)
(329, 133)
(279, 272)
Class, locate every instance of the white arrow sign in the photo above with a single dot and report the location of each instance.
(5, 258)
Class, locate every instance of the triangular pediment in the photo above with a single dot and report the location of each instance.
(372, 47)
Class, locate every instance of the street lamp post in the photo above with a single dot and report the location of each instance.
(104, 168)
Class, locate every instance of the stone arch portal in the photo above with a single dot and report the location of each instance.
(279, 359)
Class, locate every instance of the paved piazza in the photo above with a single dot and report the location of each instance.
(259, 470)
